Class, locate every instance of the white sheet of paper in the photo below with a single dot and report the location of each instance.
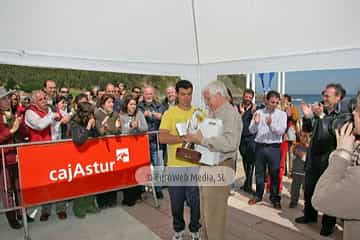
(181, 128)
(210, 127)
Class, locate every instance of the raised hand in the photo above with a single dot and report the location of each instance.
(91, 123)
(318, 109)
(156, 115)
(134, 124)
(118, 123)
(16, 125)
(147, 113)
(268, 120)
(345, 137)
(306, 109)
(241, 108)
(257, 118)
(65, 119)
(253, 108)
(57, 116)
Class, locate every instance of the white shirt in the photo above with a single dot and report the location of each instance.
(269, 134)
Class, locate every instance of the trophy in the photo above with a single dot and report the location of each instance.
(187, 150)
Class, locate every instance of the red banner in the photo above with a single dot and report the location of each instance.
(55, 171)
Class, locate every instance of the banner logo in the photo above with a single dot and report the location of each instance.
(122, 154)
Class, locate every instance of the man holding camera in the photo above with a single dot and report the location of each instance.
(318, 119)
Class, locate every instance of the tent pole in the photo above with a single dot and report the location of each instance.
(283, 83)
(253, 87)
(279, 82)
(248, 79)
(195, 32)
(199, 82)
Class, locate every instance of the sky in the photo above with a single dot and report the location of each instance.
(312, 82)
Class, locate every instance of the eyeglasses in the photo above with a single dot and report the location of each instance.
(274, 102)
(64, 91)
(137, 92)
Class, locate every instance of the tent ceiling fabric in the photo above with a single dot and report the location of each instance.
(236, 30)
(157, 36)
(128, 30)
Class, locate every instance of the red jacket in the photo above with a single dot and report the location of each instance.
(36, 135)
(7, 138)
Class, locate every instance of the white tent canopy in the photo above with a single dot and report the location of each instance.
(194, 39)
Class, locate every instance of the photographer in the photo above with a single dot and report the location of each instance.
(340, 181)
(318, 119)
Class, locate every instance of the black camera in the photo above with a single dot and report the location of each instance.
(344, 117)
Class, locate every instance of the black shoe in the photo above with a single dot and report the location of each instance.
(293, 205)
(304, 220)
(15, 224)
(128, 203)
(159, 195)
(44, 217)
(62, 215)
(277, 205)
(103, 206)
(112, 204)
(29, 219)
(327, 230)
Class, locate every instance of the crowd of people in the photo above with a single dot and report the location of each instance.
(51, 114)
(271, 137)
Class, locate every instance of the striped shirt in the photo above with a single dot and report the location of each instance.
(269, 134)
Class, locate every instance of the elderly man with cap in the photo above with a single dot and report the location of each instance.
(10, 126)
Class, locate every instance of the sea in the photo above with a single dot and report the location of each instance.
(310, 98)
(296, 99)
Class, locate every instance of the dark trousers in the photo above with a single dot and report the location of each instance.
(11, 198)
(312, 175)
(267, 155)
(178, 196)
(131, 195)
(108, 199)
(298, 174)
(247, 150)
